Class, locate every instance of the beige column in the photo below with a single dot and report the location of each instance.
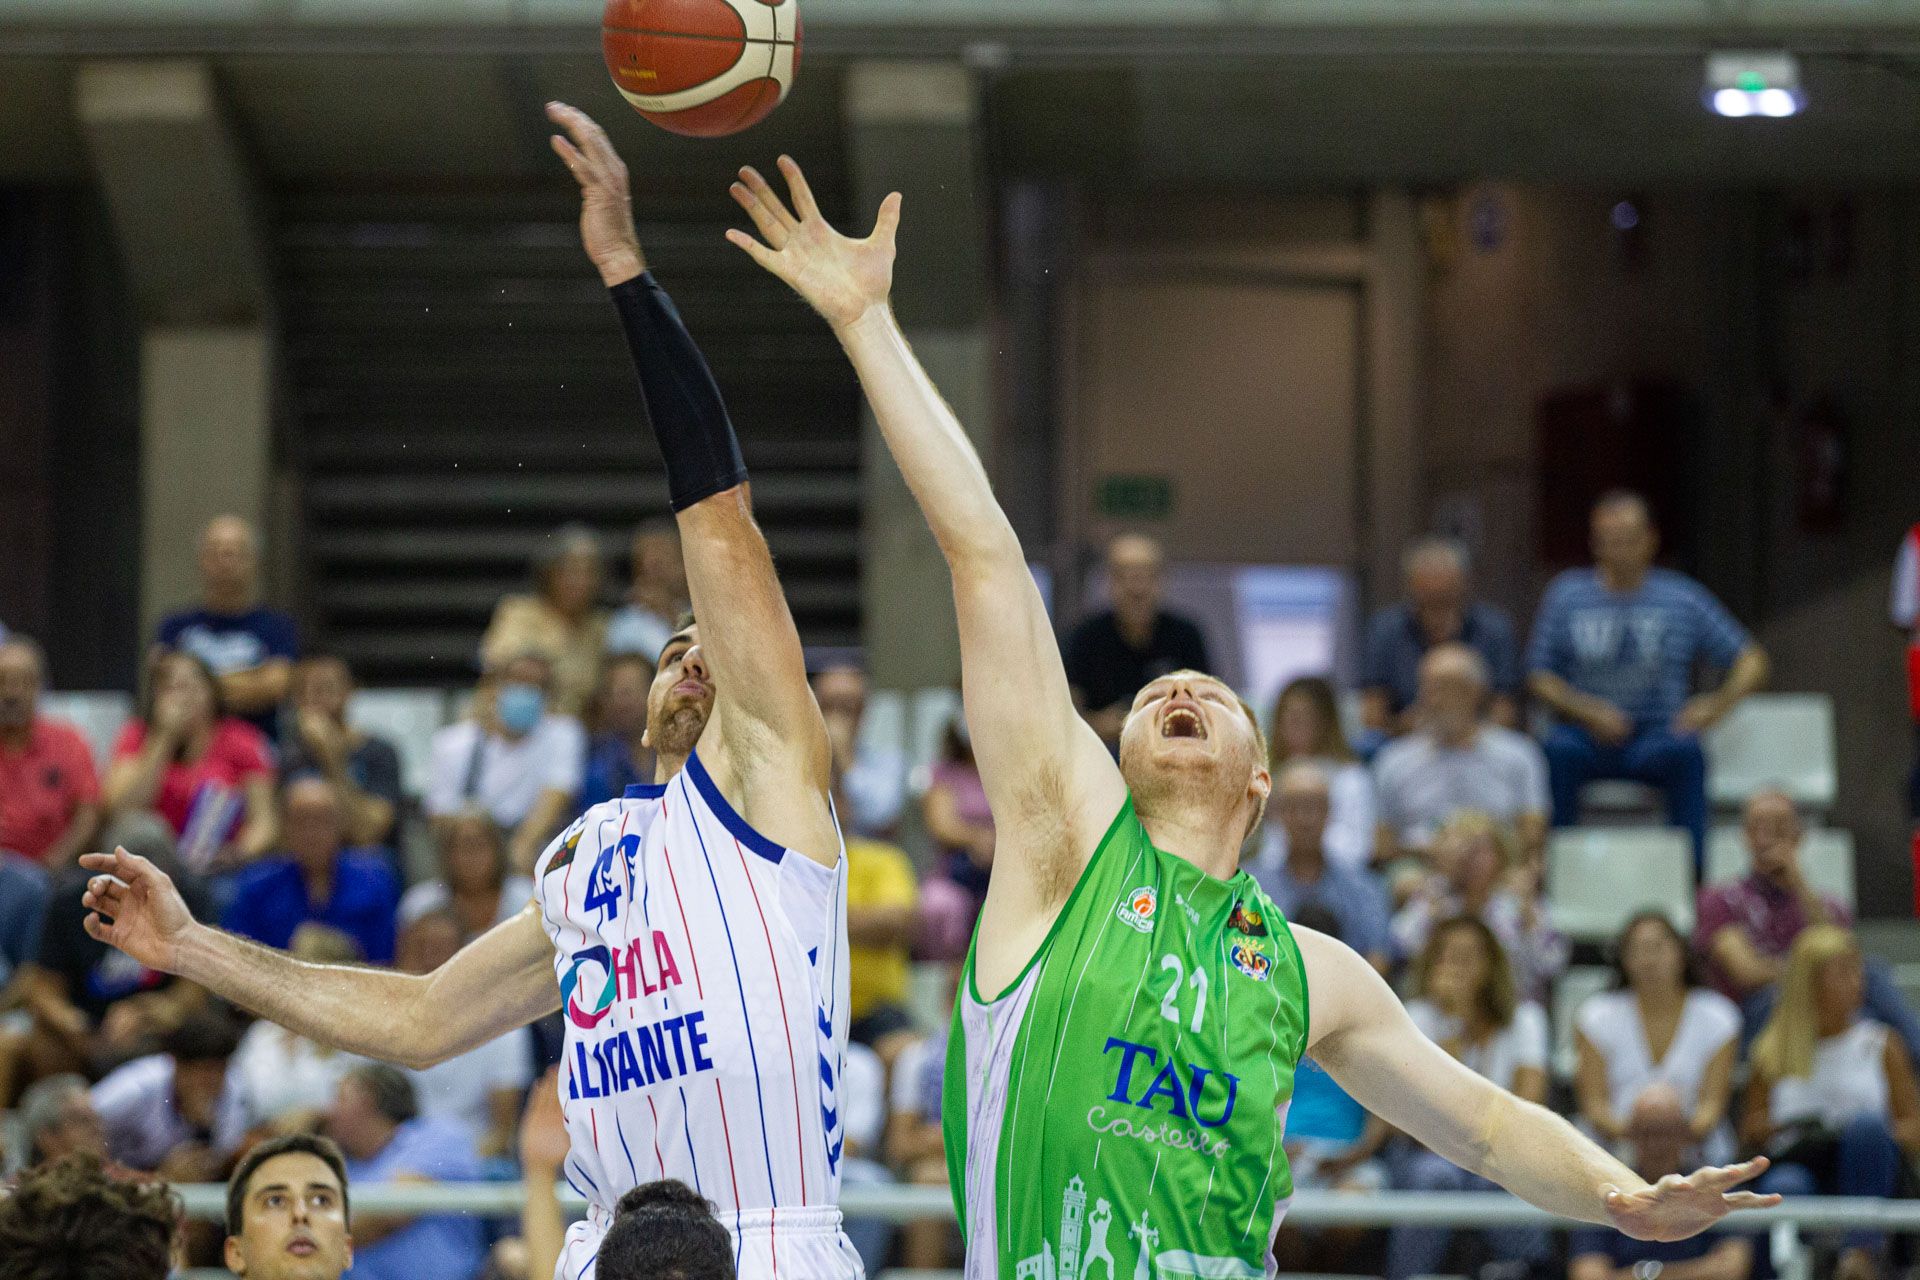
(184, 210)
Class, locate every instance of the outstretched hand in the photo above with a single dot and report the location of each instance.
(133, 905)
(606, 209)
(840, 277)
(543, 1127)
(1677, 1207)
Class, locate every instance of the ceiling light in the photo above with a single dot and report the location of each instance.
(1742, 83)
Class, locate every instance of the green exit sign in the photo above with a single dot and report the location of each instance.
(1136, 497)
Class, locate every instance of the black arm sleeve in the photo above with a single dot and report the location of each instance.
(683, 402)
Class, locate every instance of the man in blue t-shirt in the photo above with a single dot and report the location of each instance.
(317, 880)
(1613, 654)
(250, 648)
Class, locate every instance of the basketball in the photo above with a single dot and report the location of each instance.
(705, 68)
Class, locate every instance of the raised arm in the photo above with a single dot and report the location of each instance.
(768, 725)
(501, 980)
(1363, 1037)
(1051, 783)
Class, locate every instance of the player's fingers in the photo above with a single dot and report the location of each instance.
(97, 928)
(803, 201)
(888, 222)
(763, 192)
(1751, 1199)
(771, 227)
(754, 249)
(571, 157)
(97, 861)
(1723, 1176)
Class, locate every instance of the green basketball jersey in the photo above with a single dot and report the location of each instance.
(1117, 1113)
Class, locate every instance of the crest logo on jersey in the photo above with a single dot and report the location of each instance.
(1247, 920)
(1137, 908)
(1249, 959)
(569, 842)
(588, 966)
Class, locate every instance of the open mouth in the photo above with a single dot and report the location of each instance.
(1183, 722)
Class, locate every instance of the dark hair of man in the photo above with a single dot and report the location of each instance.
(665, 1231)
(391, 1091)
(69, 1219)
(203, 1036)
(321, 1149)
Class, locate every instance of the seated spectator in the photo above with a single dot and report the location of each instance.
(561, 619)
(883, 900)
(874, 779)
(93, 1007)
(1613, 653)
(375, 1119)
(1112, 655)
(862, 1098)
(1465, 1001)
(49, 795)
(474, 883)
(917, 1148)
(1660, 1145)
(249, 647)
(208, 774)
(317, 880)
(1438, 610)
(70, 1219)
(656, 597)
(1478, 872)
(960, 823)
(480, 1090)
(279, 1080)
(1832, 1098)
(171, 1111)
(1293, 867)
(364, 769)
(1457, 759)
(1658, 1032)
(25, 891)
(618, 757)
(512, 757)
(1743, 931)
(58, 1119)
(287, 1211)
(1332, 1143)
(1306, 727)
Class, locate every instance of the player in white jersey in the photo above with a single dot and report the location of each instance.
(693, 931)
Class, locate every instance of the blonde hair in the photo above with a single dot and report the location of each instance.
(1471, 824)
(1784, 1047)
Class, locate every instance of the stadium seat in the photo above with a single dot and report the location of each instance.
(1598, 877)
(408, 718)
(1616, 801)
(1569, 993)
(932, 711)
(883, 728)
(1826, 856)
(1780, 740)
(98, 714)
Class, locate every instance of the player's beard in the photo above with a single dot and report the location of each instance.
(678, 730)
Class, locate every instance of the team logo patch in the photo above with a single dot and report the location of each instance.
(588, 1014)
(1247, 920)
(1249, 959)
(1136, 910)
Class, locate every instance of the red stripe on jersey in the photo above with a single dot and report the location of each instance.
(786, 1023)
(656, 1135)
(727, 1133)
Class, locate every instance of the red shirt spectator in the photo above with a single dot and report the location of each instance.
(49, 795)
(1744, 930)
(236, 754)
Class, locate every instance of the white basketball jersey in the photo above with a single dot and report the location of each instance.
(703, 978)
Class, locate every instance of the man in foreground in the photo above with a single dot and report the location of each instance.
(287, 1212)
(1133, 1008)
(694, 930)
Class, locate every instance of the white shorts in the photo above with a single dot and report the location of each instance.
(798, 1244)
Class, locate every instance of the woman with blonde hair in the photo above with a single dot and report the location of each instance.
(1306, 727)
(1479, 871)
(1466, 1002)
(1832, 1098)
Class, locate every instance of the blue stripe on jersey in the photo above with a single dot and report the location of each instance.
(686, 1131)
(731, 820)
(753, 1053)
(620, 1130)
(645, 791)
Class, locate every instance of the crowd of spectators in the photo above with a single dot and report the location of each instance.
(1418, 833)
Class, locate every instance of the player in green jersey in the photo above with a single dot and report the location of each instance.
(1134, 1007)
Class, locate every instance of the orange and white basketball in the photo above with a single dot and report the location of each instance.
(705, 68)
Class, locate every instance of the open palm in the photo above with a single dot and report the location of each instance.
(840, 277)
(1677, 1207)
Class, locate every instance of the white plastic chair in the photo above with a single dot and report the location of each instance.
(1573, 989)
(932, 711)
(1782, 740)
(1598, 877)
(408, 718)
(99, 715)
(1826, 859)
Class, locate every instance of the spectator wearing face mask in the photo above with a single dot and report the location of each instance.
(512, 757)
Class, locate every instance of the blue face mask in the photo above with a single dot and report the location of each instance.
(520, 707)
